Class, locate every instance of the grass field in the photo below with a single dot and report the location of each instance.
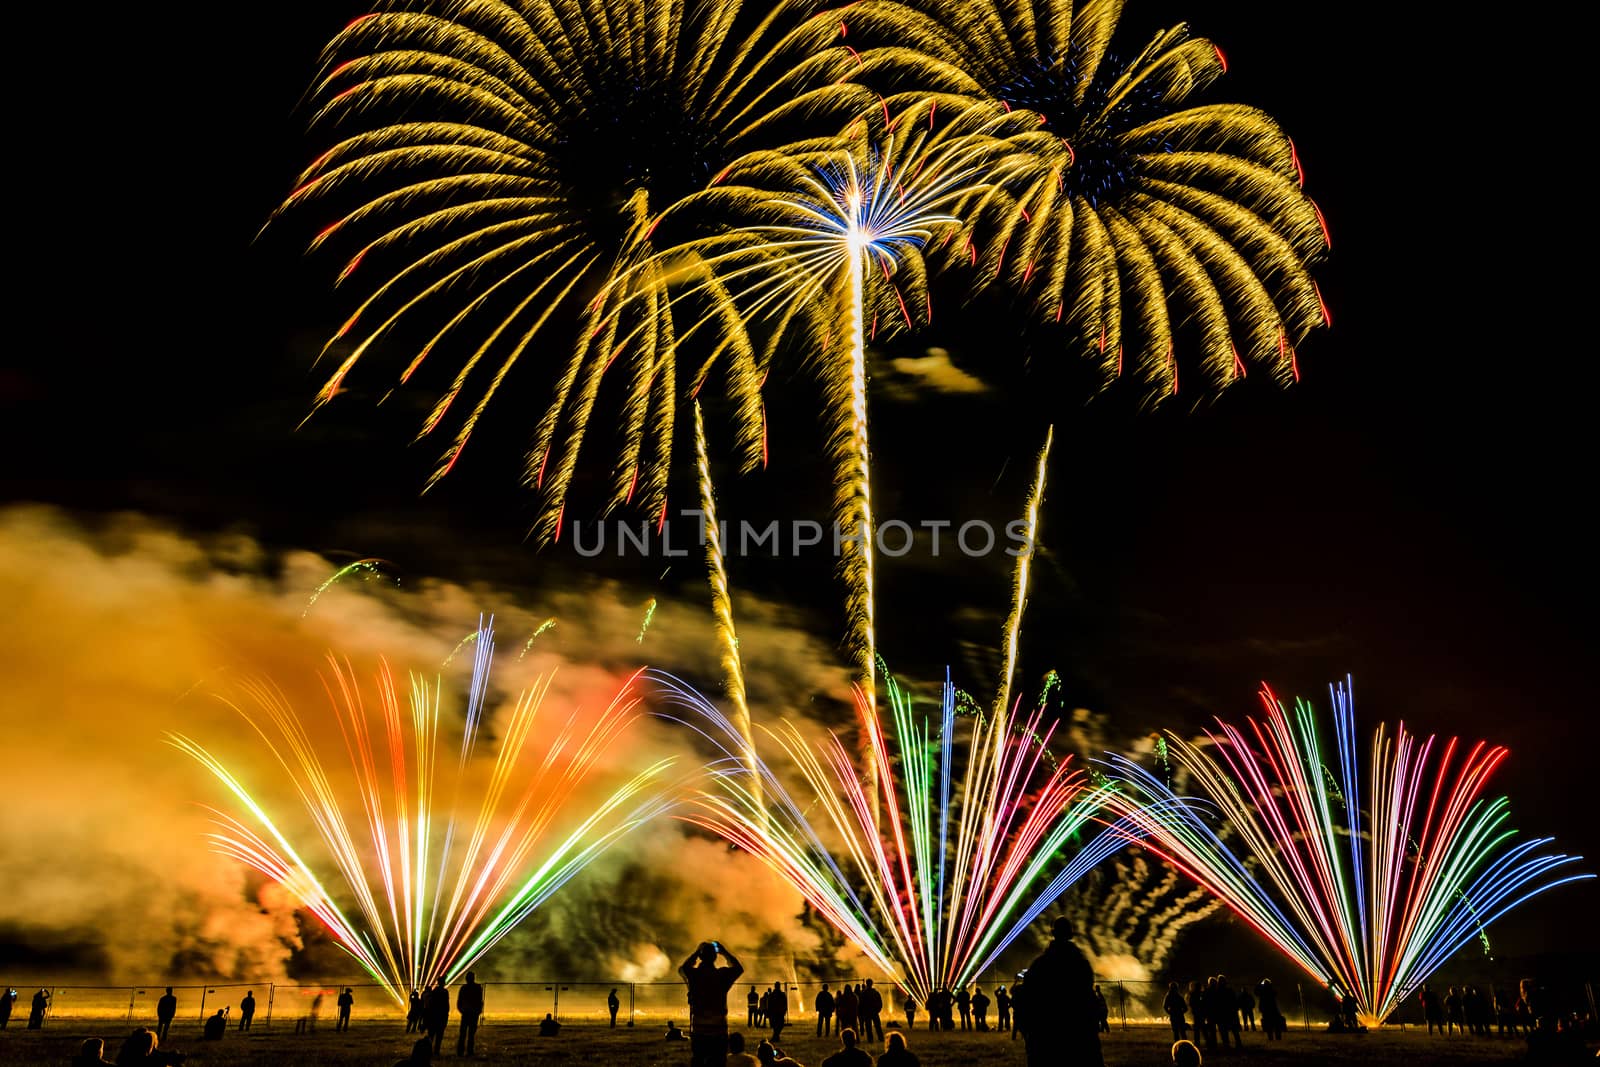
(380, 1044)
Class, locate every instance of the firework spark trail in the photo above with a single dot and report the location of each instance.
(539, 631)
(425, 910)
(649, 617)
(889, 883)
(722, 606)
(1369, 901)
(367, 568)
(1019, 589)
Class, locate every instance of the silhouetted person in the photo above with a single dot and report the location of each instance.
(778, 1010)
(346, 1001)
(215, 1026)
(421, 1054)
(247, 1010)
(1002, 1008)
(980, 1009)
(1349, 1012)
(769, 1056)
(1432, 1009)
(1185, 1054)
(708, 1002)
(548, 1027)
(871, 1012)
(41, 1001)
(1224, 1008)
(1175, 1006)
(1202, 1002)
(673, 1033)
(1019, 996)
(469, 1005)
(436, 1013)
(1454, 1017)
(91, 1054)
(847, 1006)
(142, 1049)
(964, 1007)
(1272, 1019)
(824, 1006)
(897, 1055)
(1102, 1012)
(848, 1055)
(1061, 1009)
(1247, 1008)
(909, 1006)
(8, 1000)
(612, 1006)
(316, 1012)
(737, 1056)
(414, 1012)
(166, 1011)
(752, 1004)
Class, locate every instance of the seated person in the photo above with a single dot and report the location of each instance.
(421, 1055)
(1185, 1054)
(897, 1055)
(90, 1054)
(216, 1026)
(673, 1033)
(139, 1050)
(848, 1055)
(548, 1027)
(769, 1055)
(737, 1056)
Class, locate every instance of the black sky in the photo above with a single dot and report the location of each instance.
(1414, 512)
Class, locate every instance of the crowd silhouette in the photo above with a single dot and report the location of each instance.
(1054, 1007)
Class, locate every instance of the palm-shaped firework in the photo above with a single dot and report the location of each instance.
(1370, 882)
(1141, 213)
(828, 239)
(495, 167)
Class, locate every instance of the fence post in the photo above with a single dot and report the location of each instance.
(632, 1002)
(1122, 998)
(1305, 1017)
(272, 992)
(203, 992)
(131, 994)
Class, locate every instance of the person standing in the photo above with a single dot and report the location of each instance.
(247, 1010)
(845, 1006)
(708, 1002)
(166, 1011)
(1272, 1020)
(778, 1011)
(1102, 1012)
(469, 1004)
(41, 1003)
(613, 1005)
(871, 1013)
(980, 1009)
(1002, 1007)
(964, 1007)
(1175, 1006)
(8, 1000)
(346, 1001)
(909, 1003)
(1062, 1024)
(1019, 994)
(752, 1004)
(1247, 1008)
(414, 1012)
(436, 1013)
(824, 1006)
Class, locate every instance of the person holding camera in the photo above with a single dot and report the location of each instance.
(708, 1002)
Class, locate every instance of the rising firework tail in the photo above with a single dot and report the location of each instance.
(1369, 878)
(419, 864)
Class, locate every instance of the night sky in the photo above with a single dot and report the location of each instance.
(1413, 512)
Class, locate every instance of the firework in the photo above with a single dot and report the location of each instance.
(1139, 211)
(832, 244)
(538, 632)
(954, 868)
(432, 878)
(1368, 895)
(496, 167)
(365, 569)
(1019, 591)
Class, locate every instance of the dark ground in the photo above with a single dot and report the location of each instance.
(380, 1045)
